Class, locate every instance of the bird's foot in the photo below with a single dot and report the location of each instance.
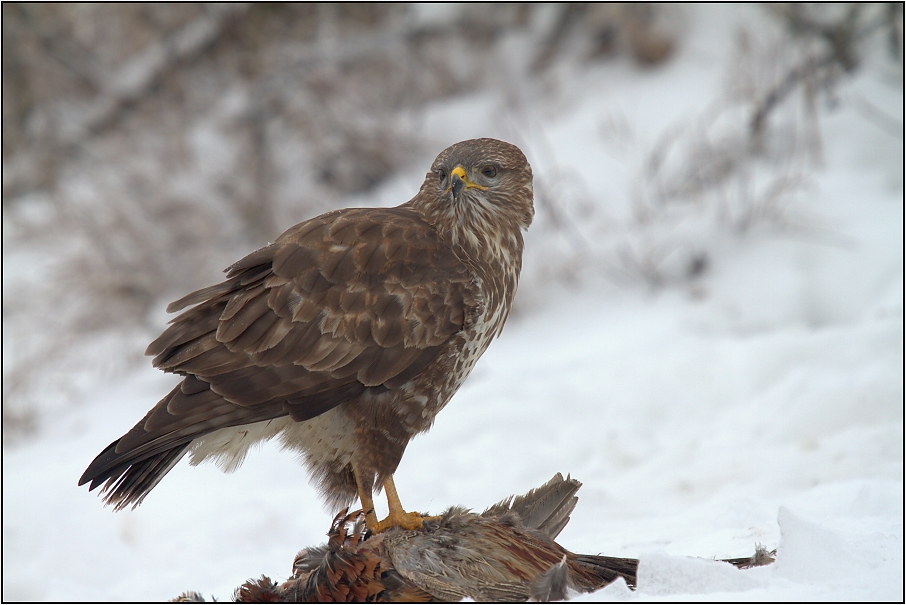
(402, 520)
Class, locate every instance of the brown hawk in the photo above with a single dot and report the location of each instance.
(343, 339)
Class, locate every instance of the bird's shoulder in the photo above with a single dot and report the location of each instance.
(356, 291)
(386, 272)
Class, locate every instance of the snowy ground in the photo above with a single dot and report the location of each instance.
(759, 403)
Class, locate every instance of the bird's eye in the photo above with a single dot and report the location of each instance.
(442, 174)
(489, 171)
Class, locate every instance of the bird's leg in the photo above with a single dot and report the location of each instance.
(367, 503)
(393, 500)
(398, 517)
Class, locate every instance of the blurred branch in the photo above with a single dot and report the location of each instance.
(57, 124)
(604, 28)
(842, 38)
(131, 81)
(568, 15)
(66, 51)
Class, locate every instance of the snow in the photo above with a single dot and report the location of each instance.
(761, 402)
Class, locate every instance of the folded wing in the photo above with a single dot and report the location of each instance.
(347, 302)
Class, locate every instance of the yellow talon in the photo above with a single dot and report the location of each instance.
(397, 517)
(407, 521)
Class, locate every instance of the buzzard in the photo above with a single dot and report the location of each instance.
(343, 339)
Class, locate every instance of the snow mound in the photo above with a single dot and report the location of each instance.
(662, 574)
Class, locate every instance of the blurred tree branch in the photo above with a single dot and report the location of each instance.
(133, 79)
(842, 38)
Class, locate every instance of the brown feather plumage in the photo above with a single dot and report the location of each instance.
(507, 553)
(355, 327)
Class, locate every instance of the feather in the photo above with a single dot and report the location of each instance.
(253, 306)
(201, 296)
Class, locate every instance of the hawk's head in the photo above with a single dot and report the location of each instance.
(479, 187)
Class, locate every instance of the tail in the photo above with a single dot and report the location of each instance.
(582, 573)
(132, 465)
(130, 481)
(546, 508)
(591, 572)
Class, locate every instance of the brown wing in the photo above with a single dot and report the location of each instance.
(351, 300)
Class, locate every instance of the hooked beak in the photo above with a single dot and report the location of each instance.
(459, 181)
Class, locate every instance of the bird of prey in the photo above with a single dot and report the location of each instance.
(343, 339)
